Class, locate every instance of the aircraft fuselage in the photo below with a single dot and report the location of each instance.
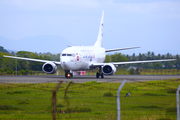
(81, 57)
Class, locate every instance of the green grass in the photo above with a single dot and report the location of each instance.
(152, 100)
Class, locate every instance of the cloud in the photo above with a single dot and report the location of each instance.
(52, 4)
(143, 7)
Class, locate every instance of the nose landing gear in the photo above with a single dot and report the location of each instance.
(68, 75)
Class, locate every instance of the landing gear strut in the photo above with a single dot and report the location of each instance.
(68, 75)
(99, 74)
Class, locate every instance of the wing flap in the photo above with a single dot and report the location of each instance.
(31, 59)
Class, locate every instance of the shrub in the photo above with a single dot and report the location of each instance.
(91, 83)
(79, 109)
(108, 94)
(7, 107)
(22, 72)
(26, 72)
(59, 105)
(131, 71)
(171, 90)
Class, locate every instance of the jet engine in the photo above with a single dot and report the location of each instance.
(108, 69)
(49, 68)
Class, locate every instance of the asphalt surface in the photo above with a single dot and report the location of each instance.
(82, 79)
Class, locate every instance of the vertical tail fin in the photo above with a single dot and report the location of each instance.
(100, 34)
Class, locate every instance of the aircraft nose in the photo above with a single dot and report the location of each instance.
(65, 63)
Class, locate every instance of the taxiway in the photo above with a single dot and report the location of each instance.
(82, 79)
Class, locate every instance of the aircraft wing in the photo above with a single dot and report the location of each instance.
(133, 62)
(116, 49)
(146, 61)
(30, 59)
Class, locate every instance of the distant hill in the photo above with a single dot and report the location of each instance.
(44, 43)
(3, 50)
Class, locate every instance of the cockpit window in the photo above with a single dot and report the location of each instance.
(68, 55)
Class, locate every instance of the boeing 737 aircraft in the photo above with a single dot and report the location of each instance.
(75, 58)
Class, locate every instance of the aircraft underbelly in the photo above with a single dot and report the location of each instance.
(81, 65)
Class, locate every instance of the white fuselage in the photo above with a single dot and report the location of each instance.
(81, 57)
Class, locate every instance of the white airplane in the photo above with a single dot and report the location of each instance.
(75, 58)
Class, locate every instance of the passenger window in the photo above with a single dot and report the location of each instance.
(63, 54)
(69, 54)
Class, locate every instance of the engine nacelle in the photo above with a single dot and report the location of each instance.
(108, 69)
(49, 68)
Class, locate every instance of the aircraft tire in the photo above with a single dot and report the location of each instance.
(71, 75)
(102, 75)
(66, 75)
(97, 75)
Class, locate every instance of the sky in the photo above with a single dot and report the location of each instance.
(154, 25)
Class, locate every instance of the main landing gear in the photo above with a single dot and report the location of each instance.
(99, 74)
(68, 75)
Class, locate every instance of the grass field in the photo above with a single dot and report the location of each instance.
(152, 100)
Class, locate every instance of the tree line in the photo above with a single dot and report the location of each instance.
(9, 65)
(118, 57)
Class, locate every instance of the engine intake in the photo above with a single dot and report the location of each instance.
(108, 69)
(49, 68)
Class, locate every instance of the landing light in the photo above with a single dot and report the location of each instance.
(69, 75)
